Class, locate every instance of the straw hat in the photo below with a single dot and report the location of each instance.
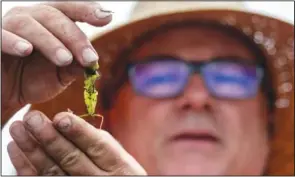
(275, 37)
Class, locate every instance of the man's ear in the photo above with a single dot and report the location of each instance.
(268, 114)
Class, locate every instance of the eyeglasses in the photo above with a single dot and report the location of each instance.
(167, 76)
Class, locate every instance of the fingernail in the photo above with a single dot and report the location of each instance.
(101, 13)
(35, 121)
(63, 56)
(22, 47)
(18, 131)
(64, 124)
(89, 56)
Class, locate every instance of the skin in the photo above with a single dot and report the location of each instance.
(45, 28)
(145, 124)
(41, 146)
(69, 145)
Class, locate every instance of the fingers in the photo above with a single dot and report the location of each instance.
(90, 12)
(67, 32)
(103, 154)
(28, 28)
(99, 145)
(69, 158)
(30, 148)
(51, 29)
(19, 161)
(15, 45)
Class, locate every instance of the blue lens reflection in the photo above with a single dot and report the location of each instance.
(162, 79)
(230, 80)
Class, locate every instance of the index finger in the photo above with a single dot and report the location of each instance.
(89, 12)
(98, 144)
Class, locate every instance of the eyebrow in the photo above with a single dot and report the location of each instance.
(230, 58)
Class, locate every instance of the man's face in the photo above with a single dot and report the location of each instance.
(194, 133)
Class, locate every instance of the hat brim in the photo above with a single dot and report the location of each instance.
(275, 37)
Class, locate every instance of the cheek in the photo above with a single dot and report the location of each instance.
(138, 123)
(134, 118)
(244, 131)
(137, 111)
(242, 119)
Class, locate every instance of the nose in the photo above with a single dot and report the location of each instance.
(195, 95)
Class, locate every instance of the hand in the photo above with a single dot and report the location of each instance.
(34, 76)
(76, 149)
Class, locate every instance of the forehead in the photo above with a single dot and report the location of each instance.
(193, 43)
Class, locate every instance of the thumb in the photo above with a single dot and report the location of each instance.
(66, 75)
